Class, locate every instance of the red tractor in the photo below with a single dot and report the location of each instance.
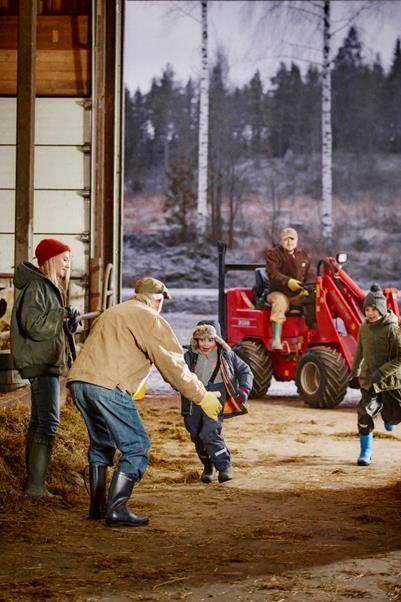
(319, 338)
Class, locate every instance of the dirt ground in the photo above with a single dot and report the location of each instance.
(300, 521)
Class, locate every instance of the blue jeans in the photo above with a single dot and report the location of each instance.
(113, 422)
(45, 405)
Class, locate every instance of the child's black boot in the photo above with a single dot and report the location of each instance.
(226, 474)
(209, 472)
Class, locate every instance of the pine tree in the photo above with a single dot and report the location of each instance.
(393, 88)
(180, 199)
(255, 110)
(347, 98)
(162, 101)
(310, 110)
(285, 120)
(219, 141)
(135, 141)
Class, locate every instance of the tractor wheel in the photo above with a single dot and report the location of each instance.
(259, 361)
(322, 377)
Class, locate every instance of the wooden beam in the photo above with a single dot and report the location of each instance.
(97, 260)
(24, 186)
(109, 130)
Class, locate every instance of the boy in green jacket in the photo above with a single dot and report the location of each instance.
(376, 370)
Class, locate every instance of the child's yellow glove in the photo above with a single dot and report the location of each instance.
(210, 404)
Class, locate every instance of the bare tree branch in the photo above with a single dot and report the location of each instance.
(180, 7)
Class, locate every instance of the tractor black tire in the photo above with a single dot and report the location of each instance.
(322, 377)
(258, 359)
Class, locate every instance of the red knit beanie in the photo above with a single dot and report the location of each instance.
(48, 248)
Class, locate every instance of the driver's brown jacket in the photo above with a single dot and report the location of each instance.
(281, 266)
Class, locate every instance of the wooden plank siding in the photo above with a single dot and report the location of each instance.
(63, 56)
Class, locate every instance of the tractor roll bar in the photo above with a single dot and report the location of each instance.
(224, 268)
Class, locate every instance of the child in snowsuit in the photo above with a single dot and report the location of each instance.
(377, 367)
(219, 369)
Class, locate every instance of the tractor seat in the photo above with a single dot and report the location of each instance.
(261, 289)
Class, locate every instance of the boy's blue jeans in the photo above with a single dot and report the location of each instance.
(45, 405)
(113, 422)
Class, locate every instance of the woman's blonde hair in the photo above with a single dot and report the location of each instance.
(49, 269)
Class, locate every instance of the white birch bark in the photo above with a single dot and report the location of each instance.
(327, 187)
(203, 128)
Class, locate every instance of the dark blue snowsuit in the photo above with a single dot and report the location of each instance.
(233, 377)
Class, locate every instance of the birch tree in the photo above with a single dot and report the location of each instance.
(203, 127)
(313, 14)
(327, 185)
(316, 15)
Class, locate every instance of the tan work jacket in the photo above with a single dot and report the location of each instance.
(123, 344)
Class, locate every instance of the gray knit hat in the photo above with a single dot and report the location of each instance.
(375, 298)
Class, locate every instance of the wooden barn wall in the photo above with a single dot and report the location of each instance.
(63, 60)
(77, 186)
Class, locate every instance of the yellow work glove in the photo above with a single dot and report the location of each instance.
(210, 404)
(140, 393)
(299, 296)
(303, 293)
(294, 285)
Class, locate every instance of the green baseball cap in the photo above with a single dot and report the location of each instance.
(152, 285)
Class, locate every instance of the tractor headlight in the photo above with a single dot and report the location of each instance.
(341, 258)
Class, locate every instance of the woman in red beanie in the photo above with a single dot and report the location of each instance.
(39, 349)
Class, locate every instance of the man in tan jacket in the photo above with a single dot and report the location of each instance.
(123, 344)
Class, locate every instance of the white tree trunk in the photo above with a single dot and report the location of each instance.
(327, 188)
(203, 128)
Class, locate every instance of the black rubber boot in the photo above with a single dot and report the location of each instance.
(28, 444)
(117, 513)
(97, 485)
(209, 472)
(38, 461)
(226, 474)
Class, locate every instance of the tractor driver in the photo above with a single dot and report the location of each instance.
(288, 267)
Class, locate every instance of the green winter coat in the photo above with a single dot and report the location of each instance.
(38, 342)
(379, 348)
